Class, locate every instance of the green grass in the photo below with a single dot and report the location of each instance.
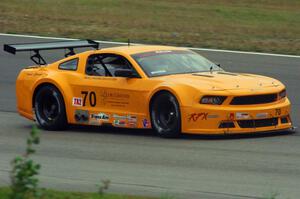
(50, 194)
(251, 25)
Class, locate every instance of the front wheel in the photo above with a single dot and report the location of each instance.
(50, 109)
(165, 115)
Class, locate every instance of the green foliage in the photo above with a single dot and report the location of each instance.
(103, 187)
(167, 196)
(52, 194)
(272, 196)
(252, 25)
(24, 183)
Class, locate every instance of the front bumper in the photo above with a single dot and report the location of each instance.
(238, 119)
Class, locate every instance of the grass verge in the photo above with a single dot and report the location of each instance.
(250, 25)
(50, 194)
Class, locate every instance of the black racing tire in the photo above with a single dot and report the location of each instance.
(165, 115)
(50, 111)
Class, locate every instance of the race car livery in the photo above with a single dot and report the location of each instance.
(172, 90)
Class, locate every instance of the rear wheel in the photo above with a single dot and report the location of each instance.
(165, 115)
(50, 109)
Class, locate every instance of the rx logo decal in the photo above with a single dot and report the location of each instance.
(195, 116)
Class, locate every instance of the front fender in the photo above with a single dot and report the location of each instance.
(184, 94)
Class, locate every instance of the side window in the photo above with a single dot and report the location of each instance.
(94, 66)
(69, 65)
(106, 64)
(115, 62)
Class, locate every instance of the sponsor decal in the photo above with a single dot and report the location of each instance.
(116, 116)
(129, 117)
(132, 121)
(125, 120)
(132, 118)
(197, 116)
(81, 116)
(120, 123)
(239, 115)
(100, 78)
(212, 116)
(94, 122)
(146, 123)
(132, 124)
(262, 115)
(111, 94)
(157, 72)
(122, 120)
(114, 98)
(77, 101)
(100, 116)
(34, 74)
(163, 51)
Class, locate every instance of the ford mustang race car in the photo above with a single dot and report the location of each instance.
(172, 90)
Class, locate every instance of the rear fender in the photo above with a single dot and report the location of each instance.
(63, 87)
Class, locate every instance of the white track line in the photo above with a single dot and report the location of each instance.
(124, 43)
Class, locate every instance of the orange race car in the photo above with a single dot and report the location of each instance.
(172, 90)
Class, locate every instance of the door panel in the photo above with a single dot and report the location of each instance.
(119, 101)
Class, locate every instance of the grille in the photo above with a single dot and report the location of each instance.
(284, 120)
(226, 125)
(258, 123)
(254, 99)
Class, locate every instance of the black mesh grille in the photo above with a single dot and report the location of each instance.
(284, 120)
(258, 123)
(226, 125)
(254, 99)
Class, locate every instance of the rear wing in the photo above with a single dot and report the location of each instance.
(36, 47)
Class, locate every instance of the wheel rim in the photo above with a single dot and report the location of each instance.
(166, 115)
(48, 106)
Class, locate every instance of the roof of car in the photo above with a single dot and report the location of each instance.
(141, 48)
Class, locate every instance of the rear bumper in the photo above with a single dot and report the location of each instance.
(210, 119)
(26, 114)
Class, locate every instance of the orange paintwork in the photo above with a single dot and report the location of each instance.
(119, 97)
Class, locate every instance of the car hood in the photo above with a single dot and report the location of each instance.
(223, 81)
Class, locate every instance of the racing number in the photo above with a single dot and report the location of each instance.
(85, 93)
(92, 97)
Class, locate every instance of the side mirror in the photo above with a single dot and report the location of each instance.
(219, 65)
(124, 73)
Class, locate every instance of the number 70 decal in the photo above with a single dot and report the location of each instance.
(90, 96)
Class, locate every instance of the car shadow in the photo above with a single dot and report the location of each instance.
(239, 136)
(151, 133)
(112, 130)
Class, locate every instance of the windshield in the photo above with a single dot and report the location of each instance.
(168, 62)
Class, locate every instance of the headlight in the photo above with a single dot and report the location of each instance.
(282, 94)
(217, 100)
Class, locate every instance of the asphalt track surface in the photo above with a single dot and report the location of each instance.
(138, 162)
